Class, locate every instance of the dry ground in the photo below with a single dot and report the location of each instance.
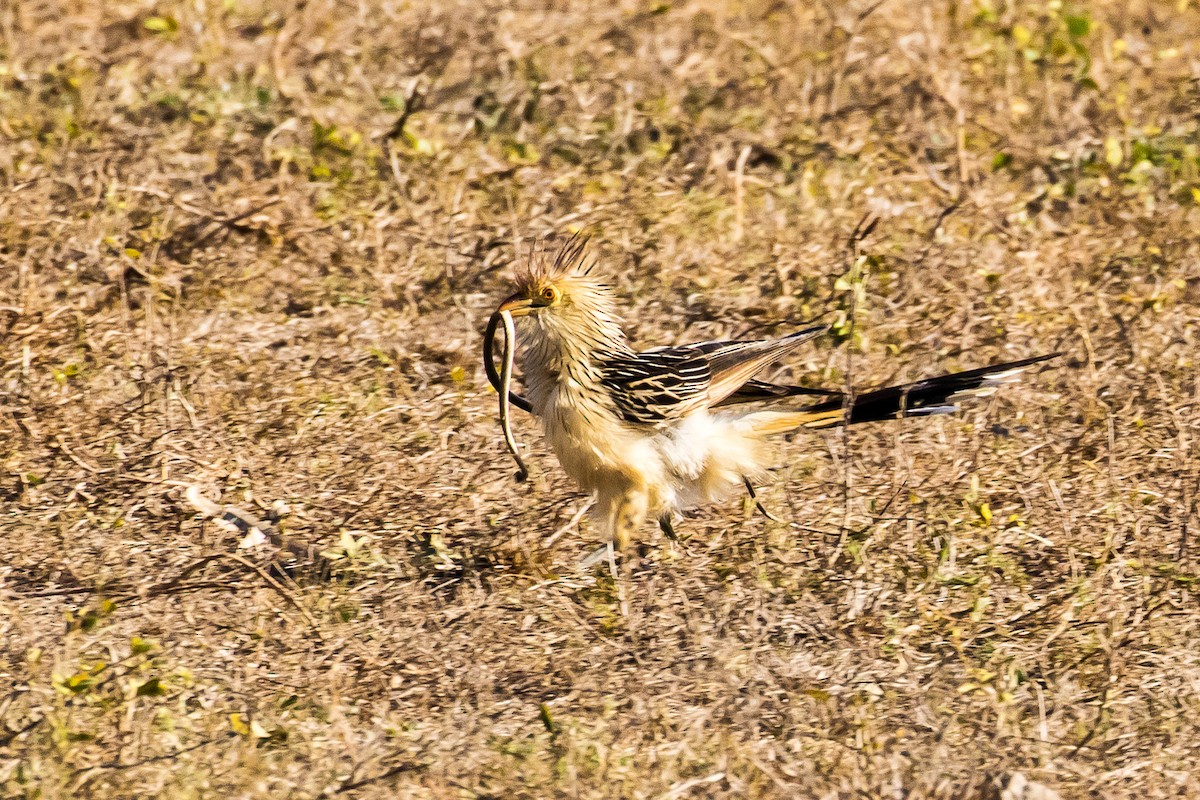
(252, 245)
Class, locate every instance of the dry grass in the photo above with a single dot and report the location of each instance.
(252, 245)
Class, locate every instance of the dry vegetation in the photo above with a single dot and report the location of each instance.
(252, 245)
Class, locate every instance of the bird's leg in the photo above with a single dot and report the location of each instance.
(612, 563)
(629, 512)
(628, 515)
(757, 504)
(619, 516)
(664, 523)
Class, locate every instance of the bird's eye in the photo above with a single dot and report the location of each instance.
(549, 294)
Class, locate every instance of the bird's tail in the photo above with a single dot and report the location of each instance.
(924, 398)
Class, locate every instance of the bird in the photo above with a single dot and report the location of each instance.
(651, 434)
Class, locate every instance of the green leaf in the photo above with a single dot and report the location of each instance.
(1078, 26)
(1141, 150)
(79, 683)
(1113, 152)
(521, 153)
(161, 24)
(151, 688)
(237, 723)
(546, 718)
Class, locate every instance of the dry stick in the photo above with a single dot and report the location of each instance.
(1187, 470)
(245, 523)
(578, 515)
(933, 229)
(9, 736)
(85, 772)
(739, 194)
(278, 587)
(861, 231)
(211, 509)
(167, 586)
(510, 337)
(399, 769)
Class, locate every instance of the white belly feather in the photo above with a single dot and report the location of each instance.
(677, 464)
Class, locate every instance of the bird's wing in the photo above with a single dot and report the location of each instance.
(655, 386)
(665, 384)
(755, 391)
(733, 367)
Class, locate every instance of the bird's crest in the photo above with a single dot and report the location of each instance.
(569, 304)
(569, 260)
(568, 268)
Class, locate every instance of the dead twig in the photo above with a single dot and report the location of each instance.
(399, 769)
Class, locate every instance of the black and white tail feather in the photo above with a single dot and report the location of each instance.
(921, 398)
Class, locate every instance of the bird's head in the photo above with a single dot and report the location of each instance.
(535, 296)
(564, 301)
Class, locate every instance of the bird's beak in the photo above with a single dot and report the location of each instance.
(518, 305)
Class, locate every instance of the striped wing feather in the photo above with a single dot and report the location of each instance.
(669, 383)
